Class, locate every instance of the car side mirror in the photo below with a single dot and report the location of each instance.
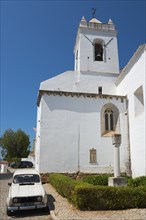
(9, 184)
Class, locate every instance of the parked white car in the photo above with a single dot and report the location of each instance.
(26, 192)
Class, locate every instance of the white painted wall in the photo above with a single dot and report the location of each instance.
(37, 138)
(70, 127)
(134, 78)
(86, 82)
(86, 35)
(86, 59)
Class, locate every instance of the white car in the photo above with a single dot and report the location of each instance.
(26, 192)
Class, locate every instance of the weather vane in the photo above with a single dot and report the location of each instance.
(93, 12)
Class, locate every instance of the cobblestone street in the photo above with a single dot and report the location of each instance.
(25, 215)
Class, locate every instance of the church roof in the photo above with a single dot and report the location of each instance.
(94, 20)
(78, 94)
(74, 81)
(61, 82)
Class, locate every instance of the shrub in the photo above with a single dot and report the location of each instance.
(89, 197)
(101, 179)
(109, 198)
(63, 184)
(139, 181)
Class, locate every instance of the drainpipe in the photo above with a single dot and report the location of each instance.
(79, 148)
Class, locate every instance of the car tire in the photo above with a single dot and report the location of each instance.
(9, 213)
(46, 209)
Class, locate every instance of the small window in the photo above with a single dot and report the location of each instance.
(98, 52)
(99, 90)
(93, 155)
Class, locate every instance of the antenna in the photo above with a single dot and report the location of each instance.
(93, 12)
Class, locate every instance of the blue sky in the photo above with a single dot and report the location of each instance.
(37, 41)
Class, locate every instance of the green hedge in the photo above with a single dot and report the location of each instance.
(139, 181)
(100, 180)
(89, 197)
(109, 198)
(65, 185)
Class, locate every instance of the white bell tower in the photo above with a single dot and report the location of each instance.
(96, 47)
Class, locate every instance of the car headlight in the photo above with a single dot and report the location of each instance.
(39, 198)
(15, 200)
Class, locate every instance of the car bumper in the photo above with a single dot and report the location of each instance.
(26, 207)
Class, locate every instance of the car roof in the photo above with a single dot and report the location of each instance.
(25, 171)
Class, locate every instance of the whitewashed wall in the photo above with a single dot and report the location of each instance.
(135, 77)
(70, 127)
(37, 139)
(87, 63)
(86, 82)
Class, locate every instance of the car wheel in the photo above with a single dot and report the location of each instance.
(9, 213)
(46, 209)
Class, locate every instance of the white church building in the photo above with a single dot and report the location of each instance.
(79, 111)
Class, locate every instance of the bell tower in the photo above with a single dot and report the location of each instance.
(96, 47)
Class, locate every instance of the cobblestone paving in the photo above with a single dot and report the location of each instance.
(23, 215)
(65, 211)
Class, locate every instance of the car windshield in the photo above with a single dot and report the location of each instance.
(26, 178)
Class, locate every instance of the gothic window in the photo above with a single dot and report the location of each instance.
(98, 52)
(93, 155)
(109, 120)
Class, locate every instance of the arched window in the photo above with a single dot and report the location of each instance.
(98, 52)
(109, 119)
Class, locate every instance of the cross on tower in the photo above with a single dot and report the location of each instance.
(93, 12)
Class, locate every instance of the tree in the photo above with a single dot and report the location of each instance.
(14, 144)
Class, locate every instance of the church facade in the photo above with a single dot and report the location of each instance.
(79, 111)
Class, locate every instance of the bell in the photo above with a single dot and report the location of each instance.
(98, 55)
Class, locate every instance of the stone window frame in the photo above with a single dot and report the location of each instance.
(110, 122)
